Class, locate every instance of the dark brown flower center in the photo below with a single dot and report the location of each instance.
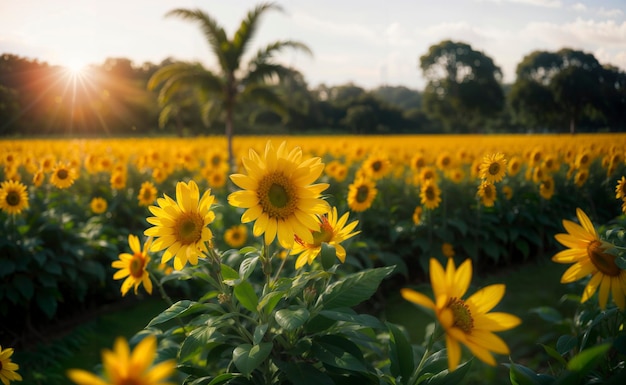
(461, 314)
(361, 193)
(277, 195)
(62, 174)
(430, 193)
(137, 265)
(13, 198)
(189, 226)
(604, 262)
(377, 165)
(494, 168)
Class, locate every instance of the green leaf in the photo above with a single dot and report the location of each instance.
(521, 375)
(269, 301)
(459, 224)
(586, 360)
(354, 288)
(24, 285)
(222, 378)
(247, 267)
(248, 357)
(328, 256)
(566, 343)
(554, 354)
(172, 312)
(47, 303)
(259, 333)
(348, 315)
(198, 339)
(400, 353)
(330, 350)
(229, 275)
(445, 377)
(245, 294)
(292, 317)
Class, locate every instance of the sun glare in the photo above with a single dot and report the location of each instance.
(76, 66)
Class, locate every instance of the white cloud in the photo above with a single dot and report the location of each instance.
(579, 7)
(617, 59)
(583, 33)
(610, 13)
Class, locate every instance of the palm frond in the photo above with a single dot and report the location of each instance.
(266, 96)
(166, 112)
(265, 72)
(268, 52)
(247, 29)
(213, 32)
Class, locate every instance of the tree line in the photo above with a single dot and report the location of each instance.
(561, 91)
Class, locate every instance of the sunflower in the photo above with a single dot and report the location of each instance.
(508, 192)
(333, 231)
(278, 194)
(493, 167)
(180, 226)
(63, 176)
(546, 188)
(583, 159)
(8, 369)
(118, 180)
(590, 257)
(468, 321)
(447, 250)
(620, 189)
(444, 161)
(361, 194)
(133, 266)
(427, 173)
(417, 215)
(418, 160)
(38, 178)
(581, 177)
(487, 194)
(98, 205)
(376, 166)
(123, 367)
(236, 236)
(514, 166)
(147, 194)
(13, 197)
(430, 194)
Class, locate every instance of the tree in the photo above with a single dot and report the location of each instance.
(550, 85)
(463, 87)
(223, 90)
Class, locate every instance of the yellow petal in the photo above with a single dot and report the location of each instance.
(495, 321)
(462, 279)
(586, 223)
(488, 341)
(617, 293)
(569, 255)
(417, 298)
(603, 294)
(486, 298)
(82, 377)
(592, 286)
(578, 271)
(454, 353)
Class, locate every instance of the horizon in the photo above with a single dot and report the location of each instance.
(370, 45)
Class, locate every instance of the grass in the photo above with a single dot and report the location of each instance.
(81, 347)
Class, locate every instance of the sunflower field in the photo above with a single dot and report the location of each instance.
(274, 268)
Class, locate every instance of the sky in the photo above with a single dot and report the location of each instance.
(365, 42)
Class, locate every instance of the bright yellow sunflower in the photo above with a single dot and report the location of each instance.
(236, 236)
(180, 226)
(514, 166)
(361, 194)
(63, 176)
(133, 266)
(546, 188)
(493, 167)
(468, 321)
(417, 215)
(8, 369)
(590, 257)
(333, 231)
(13, 197)
(278, 195)
(123, 367)
(98, 205)
(38, 178)
(147, 194)
(620, 189)
(118, 180)
(430, 194)
(581, 177)
(487, 193)
(376, 166)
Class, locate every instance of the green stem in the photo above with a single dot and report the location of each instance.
(280, 268)
(414, 380)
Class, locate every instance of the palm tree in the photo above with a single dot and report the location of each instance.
(222, 90)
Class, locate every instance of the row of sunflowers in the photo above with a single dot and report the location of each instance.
(251, 313)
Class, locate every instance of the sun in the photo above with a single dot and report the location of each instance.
(76, 66)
